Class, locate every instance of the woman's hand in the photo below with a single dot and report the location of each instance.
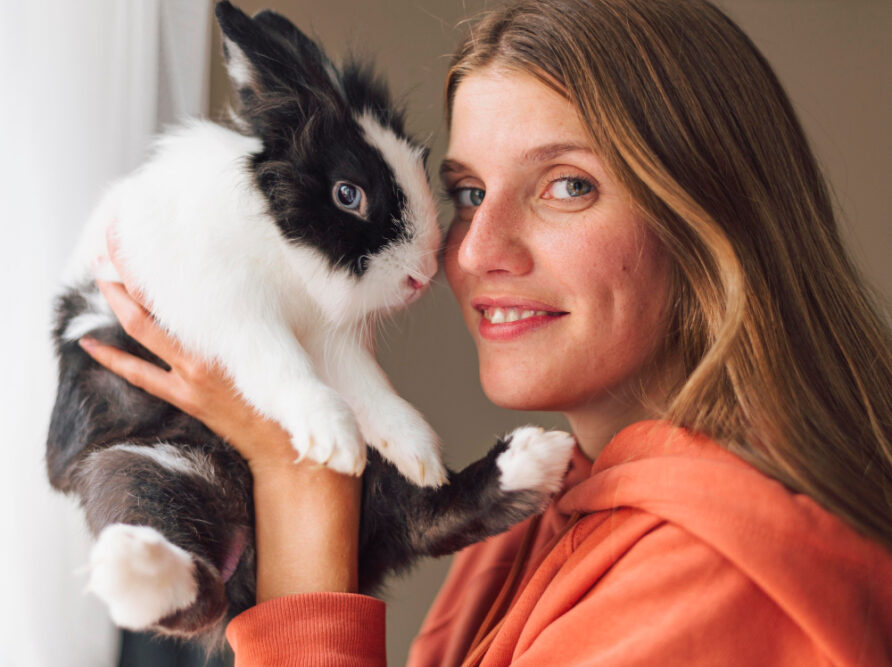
(306, 515)
(198, 388)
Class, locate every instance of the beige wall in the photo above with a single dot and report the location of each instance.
(832, 55)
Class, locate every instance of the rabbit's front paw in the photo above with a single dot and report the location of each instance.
(536, 460)
(402, 436)
(324, 430)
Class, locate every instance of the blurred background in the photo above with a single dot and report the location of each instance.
(85, 86)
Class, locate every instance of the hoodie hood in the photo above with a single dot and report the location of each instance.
(834, 583)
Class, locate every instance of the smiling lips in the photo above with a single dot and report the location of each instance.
(508, 315)
(504, 320)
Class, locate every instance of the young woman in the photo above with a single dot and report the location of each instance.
(643, 242)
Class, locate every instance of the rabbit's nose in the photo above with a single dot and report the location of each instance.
(416, 288)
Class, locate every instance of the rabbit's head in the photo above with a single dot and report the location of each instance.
(346, 186)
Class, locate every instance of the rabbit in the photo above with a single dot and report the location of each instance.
(269, 247)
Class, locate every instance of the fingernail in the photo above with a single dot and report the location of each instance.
(97, 263)
(87, 343)
(103, 269)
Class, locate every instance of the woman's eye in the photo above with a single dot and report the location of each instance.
(349, 197)
(569, 188)
(468, 197)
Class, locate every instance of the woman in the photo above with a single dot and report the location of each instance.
(641, 233)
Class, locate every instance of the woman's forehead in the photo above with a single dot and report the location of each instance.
(513, 112)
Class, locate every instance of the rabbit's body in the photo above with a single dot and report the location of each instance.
(259, 250)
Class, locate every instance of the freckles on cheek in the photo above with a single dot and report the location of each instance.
(648, 289)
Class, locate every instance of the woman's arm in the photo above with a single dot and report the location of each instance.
(307, 527)
(307, 516)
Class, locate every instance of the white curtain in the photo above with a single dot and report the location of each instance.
(85, 85)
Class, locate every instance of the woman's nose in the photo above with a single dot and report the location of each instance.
(494, 242)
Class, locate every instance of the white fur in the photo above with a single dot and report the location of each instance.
(535, 460)
(237, 64)
(98, 315)
(195, 235)
(172, 458)
(408, 168)
(140, 575)
(388, 422)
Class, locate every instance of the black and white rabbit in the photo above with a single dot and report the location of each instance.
(269, 249)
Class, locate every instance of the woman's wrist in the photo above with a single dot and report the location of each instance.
(307, 529)
(307, 516)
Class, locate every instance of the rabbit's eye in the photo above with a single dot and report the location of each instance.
(350, 198)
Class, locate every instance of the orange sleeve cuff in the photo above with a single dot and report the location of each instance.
(318, 629)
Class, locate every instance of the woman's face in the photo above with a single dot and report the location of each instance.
(561, 284)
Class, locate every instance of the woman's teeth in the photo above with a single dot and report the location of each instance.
(506, 315)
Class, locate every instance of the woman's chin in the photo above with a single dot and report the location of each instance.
(519, 393)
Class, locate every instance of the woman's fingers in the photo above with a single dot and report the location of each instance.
(114, 255)
(139, 324)
(132, 312)
(202, 390)
(138, 372)
(189, 385)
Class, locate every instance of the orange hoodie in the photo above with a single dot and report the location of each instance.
(685, 555)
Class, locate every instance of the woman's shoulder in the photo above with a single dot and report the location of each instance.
(688, 480)
(681, 549)
(672, 518)
(633, 588)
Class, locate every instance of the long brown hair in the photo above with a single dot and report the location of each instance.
(788, 362)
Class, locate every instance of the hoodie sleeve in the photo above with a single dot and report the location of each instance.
(318, 629)
(669, 600)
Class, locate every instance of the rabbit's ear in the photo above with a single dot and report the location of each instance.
(271, 61)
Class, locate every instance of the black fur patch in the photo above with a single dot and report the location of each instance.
(298, 179)
(304, 110)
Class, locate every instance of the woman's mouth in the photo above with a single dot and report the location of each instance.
(509, 315)
(503, 321)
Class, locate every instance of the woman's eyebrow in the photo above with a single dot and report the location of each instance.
(449, 166)
(542, 153)
(550, 151)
